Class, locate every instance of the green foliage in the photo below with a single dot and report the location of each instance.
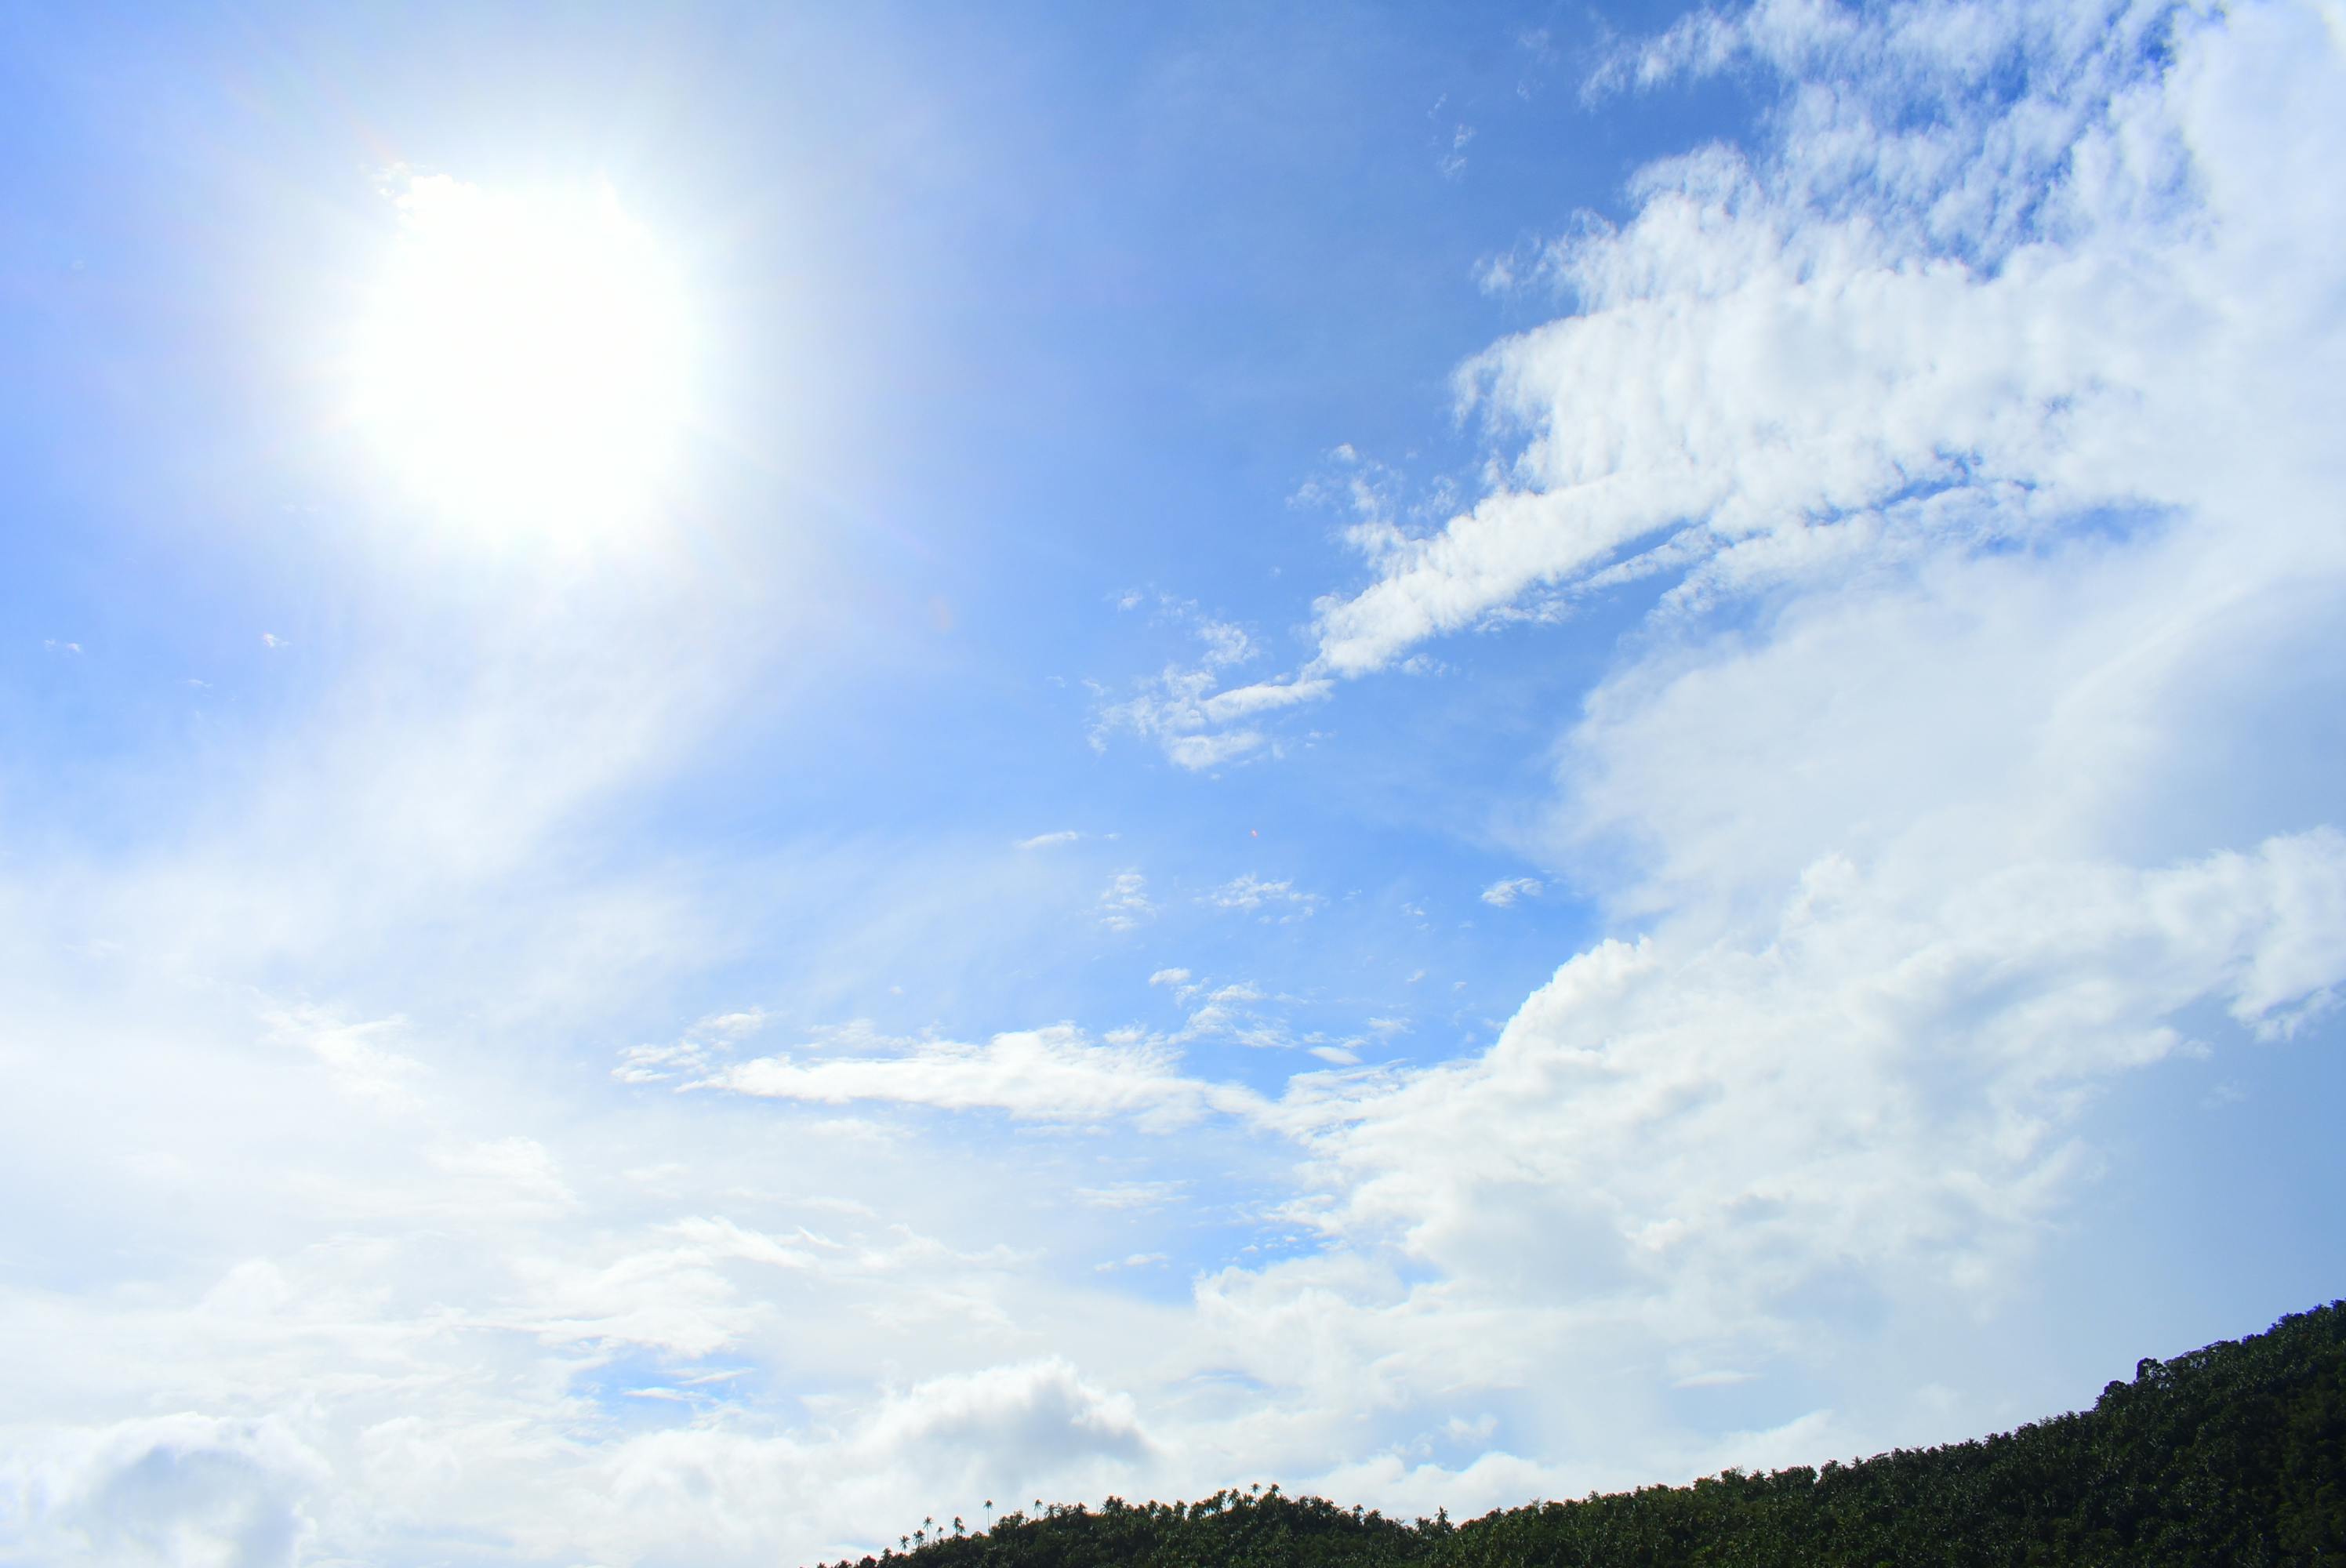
(2235, 1455)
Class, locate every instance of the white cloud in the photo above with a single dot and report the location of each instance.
(1453, 161)
(1878, 311)
(689, 1056)
(1124, 903)
(168, 1491)
(658, 1063)
(1245, 702)
(1225, 644)
(1200, 752)
(1169, 977)
(1190, 716)
(1689, 1153)
(1721, 1378)
(1136, 1260)
(351, 1052)
(1050, 840)
(1228, 1012)
(1248, 893)
(1132, 1195)
(1056, 1073)
(1186, 710)
(737, 1024)
(1888, 1072)
(1036, 1416)
(1506, 891)
(507, 1173)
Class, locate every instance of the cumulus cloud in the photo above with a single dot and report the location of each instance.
(1050, 840)
(1686, 1152)
(1037, 1416)
(1890, 1075)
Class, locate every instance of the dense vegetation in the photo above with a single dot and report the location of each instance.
(2235, 1455)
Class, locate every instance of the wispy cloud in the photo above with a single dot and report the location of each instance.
(1136, 1260)
(1132, 1195)
(1507, 890)
(1056, 1074)
(1125, 903)
(1199, 723)
(1251, 894)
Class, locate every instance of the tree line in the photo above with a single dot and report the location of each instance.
(2233, 1454)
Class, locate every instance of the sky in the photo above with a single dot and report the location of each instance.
(768, 775)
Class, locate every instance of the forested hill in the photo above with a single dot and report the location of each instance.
(2231, 1455)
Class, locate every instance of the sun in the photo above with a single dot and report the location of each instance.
(522, 360)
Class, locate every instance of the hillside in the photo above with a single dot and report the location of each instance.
(2234, 1454)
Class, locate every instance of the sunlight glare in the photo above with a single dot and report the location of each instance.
(522, 361)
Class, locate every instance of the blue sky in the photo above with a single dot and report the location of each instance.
(1442, 758)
